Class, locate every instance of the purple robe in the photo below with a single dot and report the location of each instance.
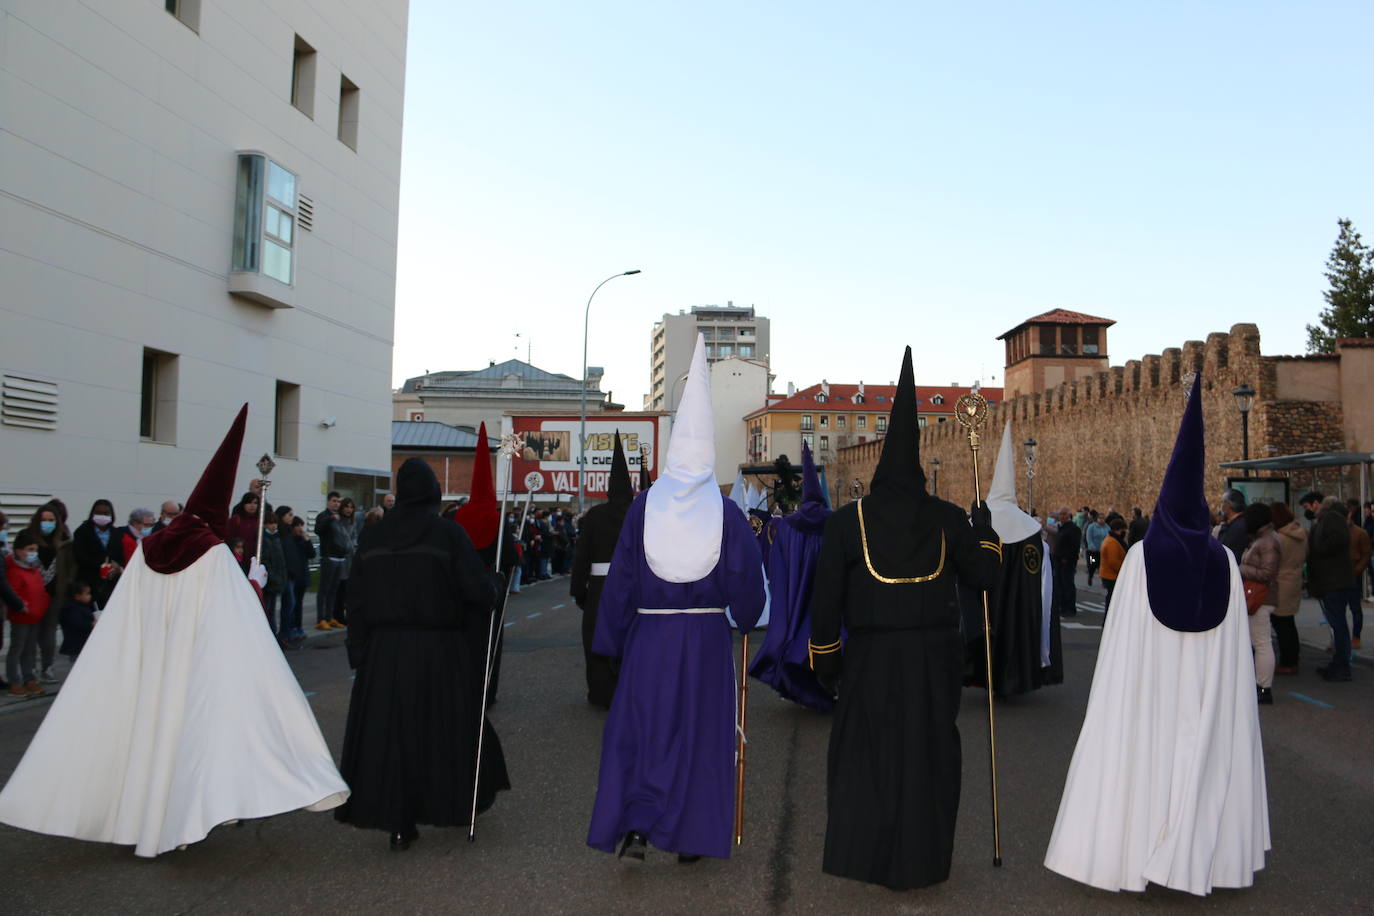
(668, 750)
(784, 662)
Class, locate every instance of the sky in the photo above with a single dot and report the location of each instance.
(871, 175)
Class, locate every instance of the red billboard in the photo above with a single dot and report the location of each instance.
(547, 461)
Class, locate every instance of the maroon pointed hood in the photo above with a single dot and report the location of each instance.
(201, 525)
(480, 516)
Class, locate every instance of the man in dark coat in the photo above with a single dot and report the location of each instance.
(887, 574)
(592, 563)
(1067, 546)
(417, 591)
(1331, 580)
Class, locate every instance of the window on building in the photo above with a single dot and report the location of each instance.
(809, 440)
(725, 350)
(286, 421)
(821, 399)
(882, 424)
(806, 422)
(187, 12)
(938, 399)
(1068, 341)
(725, 334)
(157, 415)
(303, 77)
(920, 422)
(863, 422)
(746, 350)
(265, 218)
(839, 421)
(348, 112)
(825, 421)
(1048, 340)
(708, 333)
(825, 443)
(1090, 341)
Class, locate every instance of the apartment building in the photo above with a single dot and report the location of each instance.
(199, 201)
(729, 330)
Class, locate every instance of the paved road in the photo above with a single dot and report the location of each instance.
(530, 857)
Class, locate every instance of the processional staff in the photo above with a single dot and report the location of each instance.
(972, 412)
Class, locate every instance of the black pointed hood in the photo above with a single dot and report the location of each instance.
(899, 477)
(619, 489)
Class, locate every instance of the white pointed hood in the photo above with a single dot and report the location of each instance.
(1008, 520)
(684, 512)
(740, 494)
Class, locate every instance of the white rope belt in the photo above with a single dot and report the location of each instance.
(601, 569)
(683, 610)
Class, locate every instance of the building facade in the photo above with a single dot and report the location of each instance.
(729, 330)
(829, 418)
(200, 202)
(450, 452)
(467, 398)
(738, 387)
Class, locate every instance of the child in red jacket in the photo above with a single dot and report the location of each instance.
(24, 573)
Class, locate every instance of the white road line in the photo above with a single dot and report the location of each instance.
(510, 623)
(535, 614)
(1074, 625)
(557, 606)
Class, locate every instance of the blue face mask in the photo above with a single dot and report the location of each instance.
(47, 527)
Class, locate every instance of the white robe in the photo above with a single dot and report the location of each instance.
(1167, 780)
(180, 715)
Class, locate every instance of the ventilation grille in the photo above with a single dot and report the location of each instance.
(305, 213)
(20, 507)
(28, 402)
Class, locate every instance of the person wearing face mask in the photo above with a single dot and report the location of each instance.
(170, 510)
(8, 599)
(99, 550)
(140, 525)
(58, 563)
(25, 576)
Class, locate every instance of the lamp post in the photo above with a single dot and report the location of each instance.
(1030, 474)
(672, 394)
(582, 429)
(935, 466)
(1245, 399)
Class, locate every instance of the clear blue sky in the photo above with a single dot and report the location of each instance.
(872, 174)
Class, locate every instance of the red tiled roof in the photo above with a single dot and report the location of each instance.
(877, 399)
(1060, 316)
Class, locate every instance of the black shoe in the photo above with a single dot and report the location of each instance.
(684, 859)
(400, 842)
(1330, 673)
(1266, 696)
(634, 846)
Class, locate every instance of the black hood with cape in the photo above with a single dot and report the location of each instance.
(896, 543)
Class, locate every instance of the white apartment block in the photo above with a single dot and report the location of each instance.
(198, 208)
(730, 330)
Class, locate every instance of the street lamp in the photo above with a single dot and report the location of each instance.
(1030, 474)
(672, 395)
(1245, 399)
(582, 432)
(935, 466)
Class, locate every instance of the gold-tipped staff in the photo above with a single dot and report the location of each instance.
(265, 466)
(972, 412)
(740, 737)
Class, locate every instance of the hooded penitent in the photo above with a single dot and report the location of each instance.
(619, 489)
(480, 516)
(682, 518)
(784, 661)
(1008, 519)
(201, 525)
(898, 488)
(1187, 573)
(740, 495)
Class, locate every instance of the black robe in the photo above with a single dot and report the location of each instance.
(596, 542)
(1016, 611)
(894, 757)
(415, 598)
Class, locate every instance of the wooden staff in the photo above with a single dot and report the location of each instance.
(972, 412)
(740, 737)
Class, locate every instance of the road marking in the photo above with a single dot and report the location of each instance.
(535, 614)
(510, 623)
(1307, 699)
(310, 693)
(557, 606)
(1074, 625)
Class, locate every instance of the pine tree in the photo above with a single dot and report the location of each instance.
(1350, 298)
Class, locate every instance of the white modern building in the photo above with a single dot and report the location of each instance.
(198, 208)
(738, 387)
(729, 330)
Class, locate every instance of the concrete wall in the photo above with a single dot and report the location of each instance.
(117, 186)
(738, 387)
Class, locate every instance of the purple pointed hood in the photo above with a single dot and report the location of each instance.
(1187, 575)
(812, 511)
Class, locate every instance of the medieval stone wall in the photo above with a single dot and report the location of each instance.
(1105, 440)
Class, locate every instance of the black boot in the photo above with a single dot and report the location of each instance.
(1266, 696)
(401, 841)
(684, 859)
(634, 846)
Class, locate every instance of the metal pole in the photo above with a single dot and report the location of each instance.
(741, 740)
(1245, 435)
(582, 428)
